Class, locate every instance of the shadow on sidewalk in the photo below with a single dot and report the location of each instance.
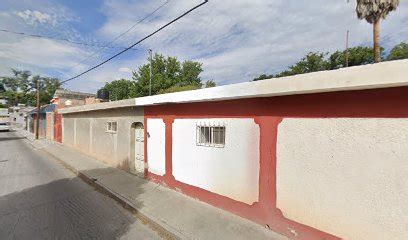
(62, 209)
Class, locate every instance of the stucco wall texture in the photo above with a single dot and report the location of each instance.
(232, 170)
(156, 146)
(346, 176)
(86, 132)
(50, 125)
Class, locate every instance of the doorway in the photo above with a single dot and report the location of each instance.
(137, 148)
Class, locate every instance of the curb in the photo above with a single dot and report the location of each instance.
(166, 232)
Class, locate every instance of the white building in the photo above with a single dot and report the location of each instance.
(18, 116)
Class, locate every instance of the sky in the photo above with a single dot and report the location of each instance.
(236, 40)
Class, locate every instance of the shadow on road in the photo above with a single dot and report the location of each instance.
(3, 139)
(62, 209)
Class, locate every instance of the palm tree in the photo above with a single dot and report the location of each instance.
(373, 11)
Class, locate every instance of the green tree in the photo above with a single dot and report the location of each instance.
(263, 77)
(179, 89)
(399, 52)
(2, 88)
(120, 89)
(373, 11)
(210, 84)
(21, 86)
(357, 56)
(312, 62)
(168, 73)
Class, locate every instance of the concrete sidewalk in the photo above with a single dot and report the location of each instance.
(176, 215)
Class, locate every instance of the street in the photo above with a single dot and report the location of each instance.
(40, 199)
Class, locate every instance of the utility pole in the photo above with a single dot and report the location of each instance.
(347, 49)
(151, 70)
(346, 55)
(37, 125)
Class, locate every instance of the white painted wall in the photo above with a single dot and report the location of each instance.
(347, 177)
(232, 171)
(156, 146)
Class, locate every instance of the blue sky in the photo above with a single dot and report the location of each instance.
(235, 40)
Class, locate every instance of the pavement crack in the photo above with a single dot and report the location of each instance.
(15, 225)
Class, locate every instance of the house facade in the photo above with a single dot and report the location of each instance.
(66, 98)
(314, 156)
(108, 134)
(45, 125)
(18, 116)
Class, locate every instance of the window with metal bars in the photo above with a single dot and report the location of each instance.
(111, 127)
(211, 136)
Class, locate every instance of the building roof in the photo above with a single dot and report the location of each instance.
(44, 109)
(71, 94)
(373, 76)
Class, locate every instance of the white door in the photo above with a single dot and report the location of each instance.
(139, 148)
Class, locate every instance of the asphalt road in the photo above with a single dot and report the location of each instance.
(40, 199)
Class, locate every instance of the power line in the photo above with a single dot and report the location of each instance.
(125, 32)
(60, 39)
(138, 42)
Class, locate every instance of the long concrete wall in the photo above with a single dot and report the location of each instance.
(86, 132)
(331, 166)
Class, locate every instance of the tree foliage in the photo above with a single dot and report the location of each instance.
(168, 75)
(317, 61)
(312, 62)
(21, 86)
(167, 72)
(374, 10)
(2, 88)
(399, 52)
(210, 84)
(119, 89)
(357, 56)
(179, 89)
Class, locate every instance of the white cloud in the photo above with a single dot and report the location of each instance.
(237, 39)
(41, 52)
(94, 80)
(35, 17)
(125, 70)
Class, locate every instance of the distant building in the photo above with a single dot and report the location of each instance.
(3, 101)
(45, 112)
(18, 115)
(66, 98)
(50, 125)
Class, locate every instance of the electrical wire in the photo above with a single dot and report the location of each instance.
(125, 32)
(60, 39)
(138, 42)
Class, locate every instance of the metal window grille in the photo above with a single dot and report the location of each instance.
(211, 136)
(111, 127)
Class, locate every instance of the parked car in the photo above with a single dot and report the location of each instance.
(4, 126)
